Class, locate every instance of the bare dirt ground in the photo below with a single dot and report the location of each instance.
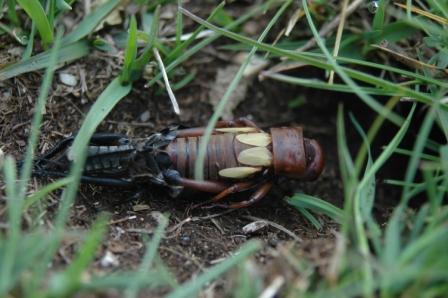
(195, 239)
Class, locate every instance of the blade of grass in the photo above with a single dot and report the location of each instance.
(179, 48)
(315, 60)
(148, 259)
(36, 12)
(310, 217)
(141, 61)
(66, 284)
(191, 288)
(44, 191)
(29, 46)
(372, 103)
(315, 83)
(179, 23)
(422, 136)
(199, 163)
(206, 41)
(130, 53)
(373, 131)
(167, 82)
(113, 93)
(12, 13)
(66, 54)
(15, 203)
(339, 36)
(9, 253)
(316, 205)
(90, 22)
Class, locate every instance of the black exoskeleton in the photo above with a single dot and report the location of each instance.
(114, 160)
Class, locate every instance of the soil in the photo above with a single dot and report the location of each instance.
(195, 239)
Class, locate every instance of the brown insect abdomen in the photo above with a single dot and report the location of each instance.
(222, 153)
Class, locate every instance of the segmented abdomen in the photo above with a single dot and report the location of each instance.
(109, 159)
(222, 153)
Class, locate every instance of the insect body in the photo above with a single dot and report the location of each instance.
(239, 157)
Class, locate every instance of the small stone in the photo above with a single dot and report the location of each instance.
(185, 240)
(144, 117)
(109, 260)
(254, 226)
(140, 207)
(68, 79)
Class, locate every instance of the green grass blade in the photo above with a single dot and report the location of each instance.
(366, 194)
(36, 12)
(25, 171)
(207, 41)
(422, 137)
(90, 22)
(310, 217)
(316, 205)
(179, 48)
(378, 20)
(66, 54)
(17, 191)
(44, 191)
(191, 288)
(69, 281)
(179, 23)
(388, 151)
(29, 46)
(113, 93)
(14, 220)
(199, 163)
(130, 53)
(150, 254)
(320, 63)
(347, 168)
(318, 84)
(12, 13)
(372, 103)
(143, 59)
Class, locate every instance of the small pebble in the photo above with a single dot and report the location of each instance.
(109, 260)
(144, 117)
(254, 226)
(185, 240)
(68, 79)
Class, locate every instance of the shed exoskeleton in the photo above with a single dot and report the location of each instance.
(240, 156)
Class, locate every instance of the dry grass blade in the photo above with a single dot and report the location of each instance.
(422, 12)
(331, 25)
(339, 36)
(408, 61)
(167, 83)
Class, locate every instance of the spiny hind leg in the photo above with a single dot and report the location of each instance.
(259, 194)
(235, 188)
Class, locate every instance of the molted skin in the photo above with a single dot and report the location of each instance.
(222, 152)
(167, 159)
(295, 156)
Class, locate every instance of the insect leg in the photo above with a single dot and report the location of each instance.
(199, 131)
(237, 187)
(108, 139)
(243, 121)
(203, 186)
(259, 194)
